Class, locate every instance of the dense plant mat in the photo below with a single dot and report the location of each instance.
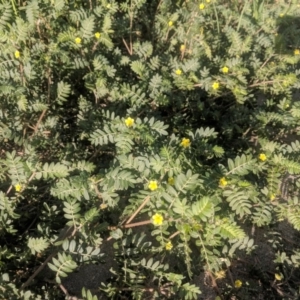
(154, 138)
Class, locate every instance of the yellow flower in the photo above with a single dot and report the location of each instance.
(262, 157)
(238, 284)
(97, 35)
(182, 48)
(171, 181)
(178, 72)
(18, 187)
(169, 246)
(185, 143)
(272, 197)
(223, 181)
(170, 23)
(297, 51)
(278, 276)
(201, 6)
(215, 85)
(152, 185)
(157, 219)
(103, 206)
(78, 40)
(207, 1)
(220, 274)
(108, 5)
(17, 54)
(129, 122)
(225, 70)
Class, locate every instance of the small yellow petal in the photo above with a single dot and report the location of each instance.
(225, 70)
(297, 51)
(220, 274)
(169, 246)
(153, 185)
(129, 122)
(18, 187)
(215, 85)
(201, 6)
(262, 157)
(97, 35)
(238, 284)
(78, 40)
(278, 276)
(157, 219)
(103, 206)
(185, 143)
(17, 54)
(178, 72)
(170, 23)
(223, 182)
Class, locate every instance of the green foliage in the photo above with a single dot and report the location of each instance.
(63, 91)
(241, 165)
(52, 171)
(86, 294)
(114, 112)
(37, 245)
(62, 265)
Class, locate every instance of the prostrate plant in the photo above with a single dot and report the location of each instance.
(170, 128)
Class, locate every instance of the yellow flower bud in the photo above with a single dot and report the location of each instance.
(171, 181)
